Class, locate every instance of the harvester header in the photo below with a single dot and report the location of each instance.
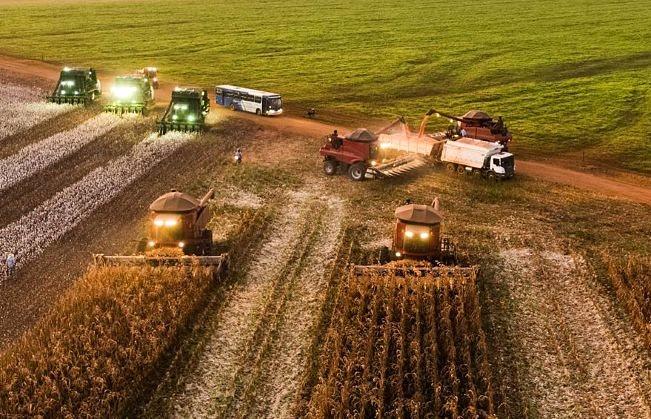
(186, 112)
(76, 86)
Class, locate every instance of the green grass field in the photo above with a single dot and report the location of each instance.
(568, 76)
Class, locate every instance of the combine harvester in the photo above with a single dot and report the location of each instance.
(186, 112)
(475, 124)
(177, 223)
(76, 86)
(418, 246)
(131, 94)
(151, 73)
(360, 155)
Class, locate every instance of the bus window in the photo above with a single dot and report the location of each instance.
(258, 99)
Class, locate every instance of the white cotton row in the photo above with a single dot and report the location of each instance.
(36, 157)
(22, 107)
(32, 233)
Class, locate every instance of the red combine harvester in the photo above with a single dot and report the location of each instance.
(475, 124)
(359, 155)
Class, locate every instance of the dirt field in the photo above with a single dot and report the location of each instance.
(560, 344)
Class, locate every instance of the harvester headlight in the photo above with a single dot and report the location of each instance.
(63, 92)
(384, 145)
(175, 117)
(409, 234)
(424, 235)
(76, 92)
(373, 162)
(123, 92)
(181, 245)
(191, 118)
(398, 254)
(151, 243)
(170, 223)
(159, 223)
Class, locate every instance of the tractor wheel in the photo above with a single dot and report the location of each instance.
(330, 167)
(461, 170)
(451, 167)
(357, 171)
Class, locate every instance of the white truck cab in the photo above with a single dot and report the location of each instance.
(502, 165)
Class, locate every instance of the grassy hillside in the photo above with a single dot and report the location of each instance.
(567, 76)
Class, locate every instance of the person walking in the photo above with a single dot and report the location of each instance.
(10, 263)
(238, 156)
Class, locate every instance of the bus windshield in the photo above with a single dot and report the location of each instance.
(275, 103)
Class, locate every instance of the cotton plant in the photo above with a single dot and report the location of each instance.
(35, 231)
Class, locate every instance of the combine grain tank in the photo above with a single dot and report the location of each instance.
(76, 86)
(186, 112)
(478, 125)
(131, 94)
(179, 220)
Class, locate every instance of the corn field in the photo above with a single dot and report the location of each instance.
(92, 354)
(631, 279)
(404, 344)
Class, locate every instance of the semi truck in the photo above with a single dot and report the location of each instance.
(472, 156)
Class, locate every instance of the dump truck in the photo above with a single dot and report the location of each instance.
(359, 154)
(177, 223)
(131, 94)
(76, 86)
(475, 124)
(186, 112)
(471, 156)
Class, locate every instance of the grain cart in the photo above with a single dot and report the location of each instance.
(186, 112)
(419, 245)
(475, 124)
(359, 154)
(131, 94)
(485, 158)
(177, 221)
(76, 86)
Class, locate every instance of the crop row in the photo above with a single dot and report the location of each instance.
(404, 345)
(32, 233)
(22, 108)
(36, 157)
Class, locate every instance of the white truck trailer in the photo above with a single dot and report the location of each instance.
(468, 155)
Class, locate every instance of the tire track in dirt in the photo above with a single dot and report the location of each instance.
(575, 356)
(24, 196)
(246, 335)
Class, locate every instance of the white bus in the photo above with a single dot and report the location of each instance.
(249, 100)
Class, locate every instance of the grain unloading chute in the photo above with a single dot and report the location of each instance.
(131, 94)
(77, 86)
(186, 112)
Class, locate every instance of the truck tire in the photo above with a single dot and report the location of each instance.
(491, 176)
(330, 167)
(461, 169)
(357, 171)
(258, 112)
(451, 167)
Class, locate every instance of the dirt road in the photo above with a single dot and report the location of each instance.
(303, 126)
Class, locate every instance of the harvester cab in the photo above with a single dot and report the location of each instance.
(359, 154)
(478, 125)
(76, 86)
(131, 94)
(186, 112)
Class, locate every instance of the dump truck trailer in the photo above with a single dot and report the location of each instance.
(471, 156)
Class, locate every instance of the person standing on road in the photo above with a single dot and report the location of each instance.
(238, 156)
(3, 263)
(10, 263)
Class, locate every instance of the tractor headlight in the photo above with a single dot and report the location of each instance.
(151, 243)
(181, 245)
(409, 234)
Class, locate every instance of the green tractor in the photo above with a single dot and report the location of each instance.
(76, 86)
(187, 111)
(131, 94)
